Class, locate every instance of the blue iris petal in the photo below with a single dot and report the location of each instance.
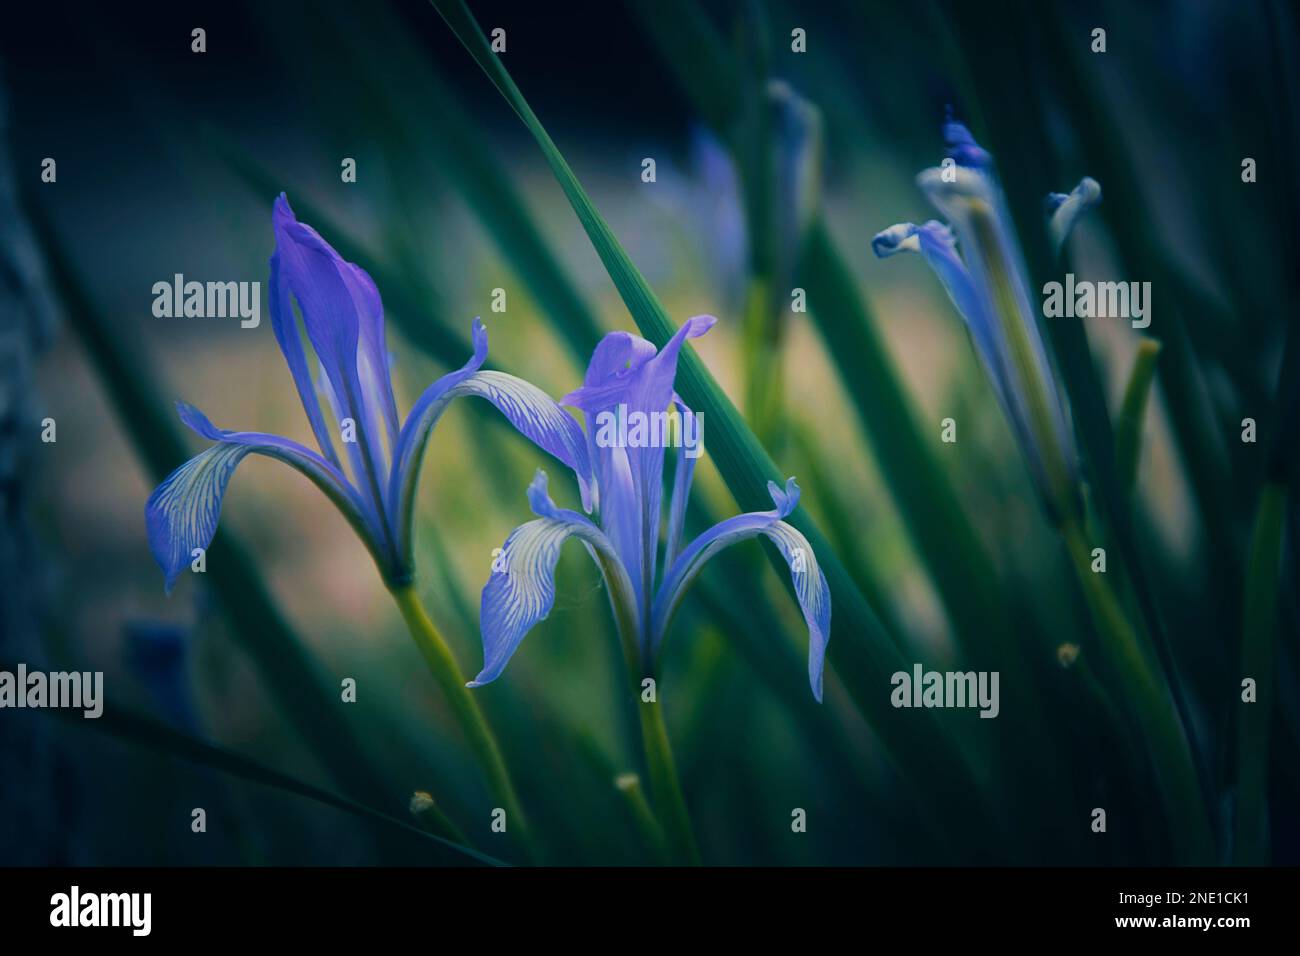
(809, 581)
(521, 590)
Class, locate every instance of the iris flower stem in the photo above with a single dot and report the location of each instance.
(666, 787)
(442, 664)
(1258, 628)
(1174, 771)
(647, 824)
(762, 357)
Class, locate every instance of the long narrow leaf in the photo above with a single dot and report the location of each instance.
(124, 724)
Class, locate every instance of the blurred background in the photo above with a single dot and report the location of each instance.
(773, 170)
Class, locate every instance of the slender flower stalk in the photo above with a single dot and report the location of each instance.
(645, 581)
(647, 825)
(372, 480)
(442, 665)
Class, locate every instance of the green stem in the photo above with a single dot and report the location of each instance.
(762, 361)
(665, 786)
(443, 667)
(1174, 771)
(431, 819)
(1258, 628)
(643, 817)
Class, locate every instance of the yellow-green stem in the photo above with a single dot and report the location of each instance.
(1151, 705)
(670, 805)
(647, 824)
(442, 665)
(665, 786)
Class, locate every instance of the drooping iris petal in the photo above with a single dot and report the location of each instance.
(182, 512)
(530, 410)
(809, 581)
(937, 246)
(1065, 210)
(521, 590)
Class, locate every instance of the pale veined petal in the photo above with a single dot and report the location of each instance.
(181, 514)
(521, 590)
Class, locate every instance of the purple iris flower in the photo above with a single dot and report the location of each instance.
(646, 583)
(349, 403)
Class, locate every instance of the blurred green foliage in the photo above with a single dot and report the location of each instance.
(936, 553)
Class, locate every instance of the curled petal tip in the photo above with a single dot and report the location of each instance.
(282, 211)
(787, 499)
(197, 422)
(897, 238)
(697, 325)
(479, 342)
(962, 146)
(539, 497)
(1064, 210)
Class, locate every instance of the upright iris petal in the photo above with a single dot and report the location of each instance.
(628, 371)
(987, 282)
(373, 482)
(627, 376)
